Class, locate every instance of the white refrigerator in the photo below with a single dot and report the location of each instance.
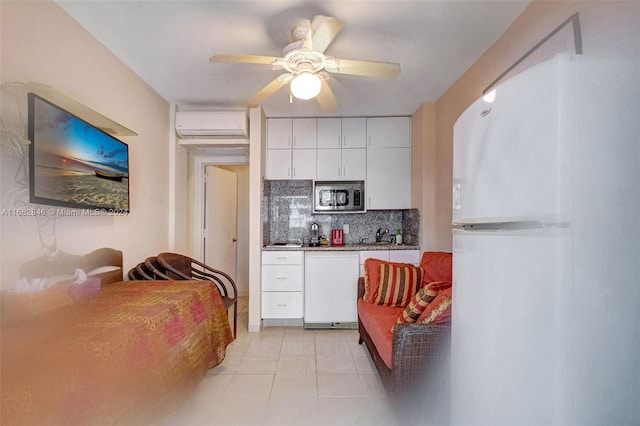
(546, 248)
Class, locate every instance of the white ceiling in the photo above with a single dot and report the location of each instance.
(168, 44)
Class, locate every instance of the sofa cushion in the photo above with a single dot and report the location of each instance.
(439, 310)
(398, 284)
(372, 278)
(378, 320)
(437, 266)
(422, 298)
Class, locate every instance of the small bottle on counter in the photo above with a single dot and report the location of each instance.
(398, 237)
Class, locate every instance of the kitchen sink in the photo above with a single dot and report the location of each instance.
(284, 245)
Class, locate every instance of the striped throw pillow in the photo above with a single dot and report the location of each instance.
(439, 310)
(372, 277)
(419, 302)
(398, 284)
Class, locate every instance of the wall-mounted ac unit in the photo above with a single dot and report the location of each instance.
(212, 123)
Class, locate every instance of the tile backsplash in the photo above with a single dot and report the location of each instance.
(287, 214)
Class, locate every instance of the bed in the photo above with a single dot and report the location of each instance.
(130, 353)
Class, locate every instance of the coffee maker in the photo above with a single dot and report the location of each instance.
(314, 236)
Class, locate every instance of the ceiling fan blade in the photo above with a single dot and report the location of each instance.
(270, 89)
(325, 29)
(326, 98)
(384, 70)
(245, 59)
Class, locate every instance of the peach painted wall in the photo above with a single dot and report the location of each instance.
(608, 28)
(41, 43)
(423, 171)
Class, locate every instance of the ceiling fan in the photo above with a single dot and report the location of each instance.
(307, 66)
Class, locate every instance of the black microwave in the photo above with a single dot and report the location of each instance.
(338, 196)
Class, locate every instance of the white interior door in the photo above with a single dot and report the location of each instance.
(221, 212)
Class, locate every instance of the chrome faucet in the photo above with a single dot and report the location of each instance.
(380, 233)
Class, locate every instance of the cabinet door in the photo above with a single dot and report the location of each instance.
(354, 132)
(304, 133)
(304, 164)
(389, 132)
(388, 178)
(278, 164)
(354, 164)
(279, 133)
(282, 304)
(329, 133)
(282, 278)
(282, 257)
(329, 164)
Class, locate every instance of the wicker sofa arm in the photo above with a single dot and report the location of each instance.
(418, 351)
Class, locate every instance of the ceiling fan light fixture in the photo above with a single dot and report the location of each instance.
(306, 85)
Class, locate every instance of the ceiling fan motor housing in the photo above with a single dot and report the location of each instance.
(299, 60)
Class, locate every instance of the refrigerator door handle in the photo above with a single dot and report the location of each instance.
(457, 196)
(507, 225)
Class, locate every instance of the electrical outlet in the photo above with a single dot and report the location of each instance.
(345, 228)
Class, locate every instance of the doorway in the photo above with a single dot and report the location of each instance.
(225, 235)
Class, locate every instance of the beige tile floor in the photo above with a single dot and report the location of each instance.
(289, 376)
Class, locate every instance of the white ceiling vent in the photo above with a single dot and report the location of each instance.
(212, 124)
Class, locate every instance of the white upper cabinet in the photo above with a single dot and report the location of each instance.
(354, 132)
(291, 148)
(278, 164)
(303, 164)
(329, 133)
(341, 164)
(342, 132)
(279, 133)
(304, 133)
(342, 151)
(389, 132)
(329, 162)
(354, 164)
(291, 133)
(388, 184)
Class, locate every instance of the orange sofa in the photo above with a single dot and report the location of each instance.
(412, 359)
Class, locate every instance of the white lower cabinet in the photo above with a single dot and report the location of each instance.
(319, 286)
(282, 284)
(281, 304)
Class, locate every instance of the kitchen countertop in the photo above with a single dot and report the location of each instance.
(347, 247)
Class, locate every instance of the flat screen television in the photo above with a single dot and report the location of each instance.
(74, 164)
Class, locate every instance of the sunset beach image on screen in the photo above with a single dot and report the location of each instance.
(73, 163)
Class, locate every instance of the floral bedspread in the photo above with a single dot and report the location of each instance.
(128, 355)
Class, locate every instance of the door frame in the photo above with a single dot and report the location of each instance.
(198, 163)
